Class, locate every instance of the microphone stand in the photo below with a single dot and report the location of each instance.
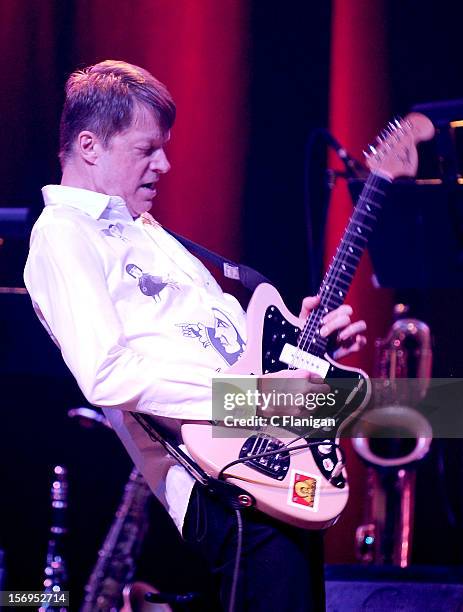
(316, 214)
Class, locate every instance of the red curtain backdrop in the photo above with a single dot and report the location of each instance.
(358, 110)
(199, 50)
(28, 95)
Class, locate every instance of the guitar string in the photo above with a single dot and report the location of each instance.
(341, 253)
(399, 129)
(313, 322)
(314, 319)
(340, 257)
(330, 278)
(374, 180)
(308, 333)
(335, 270)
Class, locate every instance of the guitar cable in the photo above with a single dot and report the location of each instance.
(236, 568)
(239, 518)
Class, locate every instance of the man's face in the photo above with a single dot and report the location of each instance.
(131, 164)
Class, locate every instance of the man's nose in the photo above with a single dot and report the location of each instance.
(160, 163)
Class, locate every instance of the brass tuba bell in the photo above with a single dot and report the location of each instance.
(391, 437)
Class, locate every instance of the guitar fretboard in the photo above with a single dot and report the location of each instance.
(340, 273)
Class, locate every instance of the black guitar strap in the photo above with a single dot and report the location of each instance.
(247, 276)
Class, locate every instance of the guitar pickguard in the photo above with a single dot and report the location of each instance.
(277, 332)
(349, 385)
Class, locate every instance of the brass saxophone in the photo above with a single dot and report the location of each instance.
(116, 559)
(108, 588)
(391, 438)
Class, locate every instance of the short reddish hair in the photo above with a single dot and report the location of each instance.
(101, 98)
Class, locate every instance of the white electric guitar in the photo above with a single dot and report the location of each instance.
(307, 487)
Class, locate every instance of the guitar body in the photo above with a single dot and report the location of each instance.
(271, 328)
(307, 487)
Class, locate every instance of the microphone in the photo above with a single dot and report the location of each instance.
(354, 168)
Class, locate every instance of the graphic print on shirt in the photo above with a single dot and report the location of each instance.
(224, 337)
(114, 231)
(148, 284)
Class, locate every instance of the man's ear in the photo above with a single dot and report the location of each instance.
(88, 146)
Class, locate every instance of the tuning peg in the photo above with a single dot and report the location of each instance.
(384, 134)
(372, 151)
(386, 144)
(403, 125)
(395, 131)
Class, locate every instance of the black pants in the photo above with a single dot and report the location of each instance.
(281, 567)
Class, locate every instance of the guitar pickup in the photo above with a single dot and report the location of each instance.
(297, 358)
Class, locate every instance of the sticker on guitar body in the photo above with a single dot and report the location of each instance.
(304, 490)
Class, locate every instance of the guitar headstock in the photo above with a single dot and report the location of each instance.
(395, 152)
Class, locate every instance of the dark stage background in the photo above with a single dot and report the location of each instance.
(252, 79)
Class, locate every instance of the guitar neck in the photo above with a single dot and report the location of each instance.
(340, 273)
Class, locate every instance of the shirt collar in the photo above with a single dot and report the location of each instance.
(90, 202)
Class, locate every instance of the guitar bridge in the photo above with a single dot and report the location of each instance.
(275, 466)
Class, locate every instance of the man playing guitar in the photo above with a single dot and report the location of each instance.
(155, 351)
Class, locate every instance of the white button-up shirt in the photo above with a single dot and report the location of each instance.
(140, 322)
